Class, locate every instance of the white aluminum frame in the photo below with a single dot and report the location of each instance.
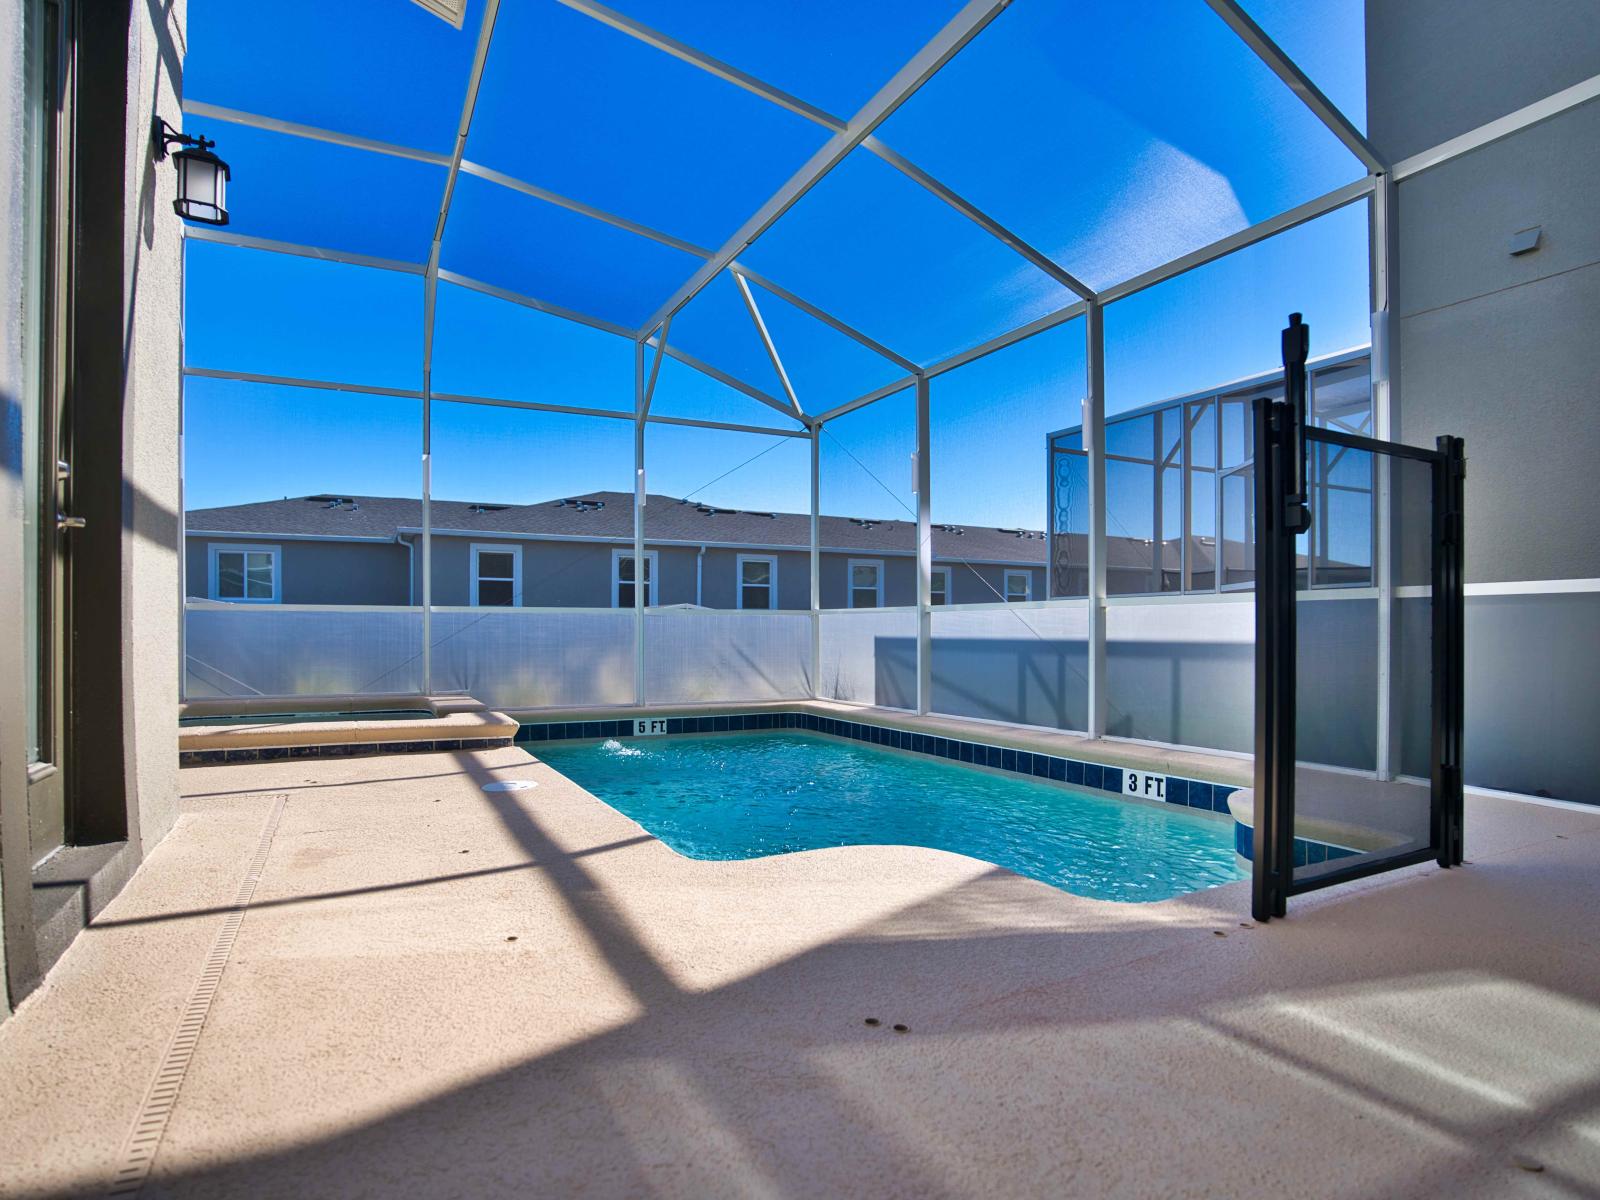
(846, 136)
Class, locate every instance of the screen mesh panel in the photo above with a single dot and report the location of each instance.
(1182, 672)
(869, 657)
(277, 650)
(708, 657)
(534, 658)
(1029, 666)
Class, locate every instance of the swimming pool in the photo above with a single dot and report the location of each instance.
(751, 795)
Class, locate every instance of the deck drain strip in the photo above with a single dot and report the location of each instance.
(150, 1124)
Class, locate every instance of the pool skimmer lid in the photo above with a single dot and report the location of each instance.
(510, 785)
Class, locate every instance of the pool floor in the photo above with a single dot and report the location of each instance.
(751, 795)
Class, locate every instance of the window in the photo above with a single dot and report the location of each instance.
(866, 583)
(496, 575)
(939, 588)
(245, 574)
(1019, 586)
(623, 578)
(758, 582)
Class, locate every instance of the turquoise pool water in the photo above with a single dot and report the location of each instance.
(750, 795)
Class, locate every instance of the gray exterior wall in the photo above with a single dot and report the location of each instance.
(1502, 351)
(567, 574)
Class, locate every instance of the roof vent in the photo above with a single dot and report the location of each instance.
(1032, 535)
(711, 510)
(955, 529)
(581, 505)
(480, 509)
(334, 502)
(453, 11)
(869, 523)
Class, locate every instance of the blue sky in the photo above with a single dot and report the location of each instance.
(1111, 136)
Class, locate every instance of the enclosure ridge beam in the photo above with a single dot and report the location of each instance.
(827, 318)
(979, 218)
(1299, 215)
(966, 25)
(226, 237)
(1286, 69)
(818, 116)
(766, 340)
(1514, 122)
(314, 133)
(705, 62)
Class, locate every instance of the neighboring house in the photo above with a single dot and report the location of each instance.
(577, 552)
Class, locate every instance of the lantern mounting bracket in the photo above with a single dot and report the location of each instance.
(163, 136)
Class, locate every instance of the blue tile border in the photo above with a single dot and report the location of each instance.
(1307, 853)
(254, 754)
(1171, 789)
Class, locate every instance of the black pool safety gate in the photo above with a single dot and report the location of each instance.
(1342, 790)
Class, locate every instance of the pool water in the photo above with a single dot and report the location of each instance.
(751, 795)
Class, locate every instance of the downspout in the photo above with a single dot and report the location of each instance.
(699, 576)
(411, 570)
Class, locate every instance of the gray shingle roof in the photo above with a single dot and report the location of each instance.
(609, 516)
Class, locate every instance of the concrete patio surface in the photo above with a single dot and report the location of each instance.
(441, 991)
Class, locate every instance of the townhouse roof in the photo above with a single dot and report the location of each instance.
(608, 516)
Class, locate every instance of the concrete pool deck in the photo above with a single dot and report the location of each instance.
(441, 991)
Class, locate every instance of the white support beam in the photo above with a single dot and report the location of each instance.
(980, 218)
(1094, 442)
(723, 377)
(1259, 232)
(828, 319)
(533, 302)
(1286, 69)
(1524, 118)
(1382, 259)
(655, 368)
(314, 133)
(921, 478)
(816, 561)
(360, 389)
(226, 237)
(697, 423)
(491, 10)
(965, 26)
(872, 397)
(640, 490)
(1049, 321)
(766, 341)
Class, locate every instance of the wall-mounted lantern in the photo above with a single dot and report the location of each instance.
(202, 176)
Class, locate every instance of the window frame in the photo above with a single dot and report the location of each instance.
(218, 548)
(771, 585)
(945, 574)
(475, 577)
(651, 581)
(850, 580)
(1027, 591)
